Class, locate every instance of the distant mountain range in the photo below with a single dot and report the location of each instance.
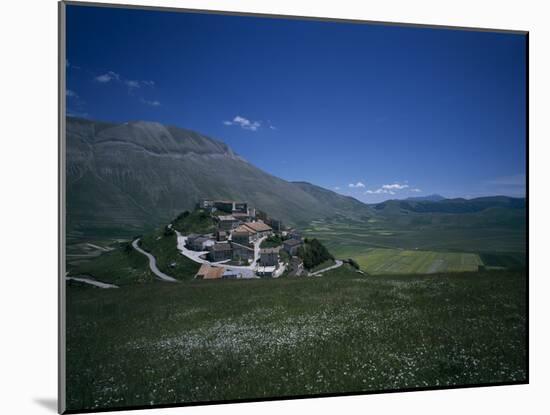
(458, 205)
(123, 179)
(429, 198)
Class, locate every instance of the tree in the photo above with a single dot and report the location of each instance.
(168, 231)
(353, 263)
(272, 241)
(127, 247)
(313, 253)
(183, 215)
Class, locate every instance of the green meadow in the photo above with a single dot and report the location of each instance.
(196, 341)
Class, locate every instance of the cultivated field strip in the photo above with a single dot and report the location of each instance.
(382, 246)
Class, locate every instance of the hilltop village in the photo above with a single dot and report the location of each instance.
(245, 243)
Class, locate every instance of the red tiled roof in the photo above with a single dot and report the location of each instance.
(258, 226)
(243, 229)
(208, 272)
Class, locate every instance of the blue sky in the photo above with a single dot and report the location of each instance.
(371, 111)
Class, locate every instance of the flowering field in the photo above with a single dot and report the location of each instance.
(343, 332)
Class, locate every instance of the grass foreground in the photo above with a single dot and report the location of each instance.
(158, 343)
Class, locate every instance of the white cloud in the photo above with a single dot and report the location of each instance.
(389, 189)
(70, 65)
(72, 113)
(379, 191)
(152, 103)
(244, 123)
(356, 185)
(336, 187)
(395, 186)
(392, 189)
(131, 84)
(108, 77)
(71, 94)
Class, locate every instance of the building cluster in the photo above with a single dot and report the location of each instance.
(238, 229)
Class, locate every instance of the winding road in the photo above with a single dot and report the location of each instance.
(153, 263)
(92, 282)
(338, 264)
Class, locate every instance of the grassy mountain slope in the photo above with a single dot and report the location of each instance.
(342, 205)
(123, 179)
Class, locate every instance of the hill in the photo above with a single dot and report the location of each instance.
(430, 198)
(342, 205)
(498, 212)
(123, 179)
(458, 205)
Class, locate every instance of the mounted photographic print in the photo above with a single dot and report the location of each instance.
(259, 207)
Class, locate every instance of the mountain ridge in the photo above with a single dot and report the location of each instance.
(455, 205)
(130, 177)
(432, 198)
(127, 178)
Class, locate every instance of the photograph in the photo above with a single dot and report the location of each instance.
(259, 207)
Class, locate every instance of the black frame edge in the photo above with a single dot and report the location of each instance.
(286, 16)
(61, 75)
